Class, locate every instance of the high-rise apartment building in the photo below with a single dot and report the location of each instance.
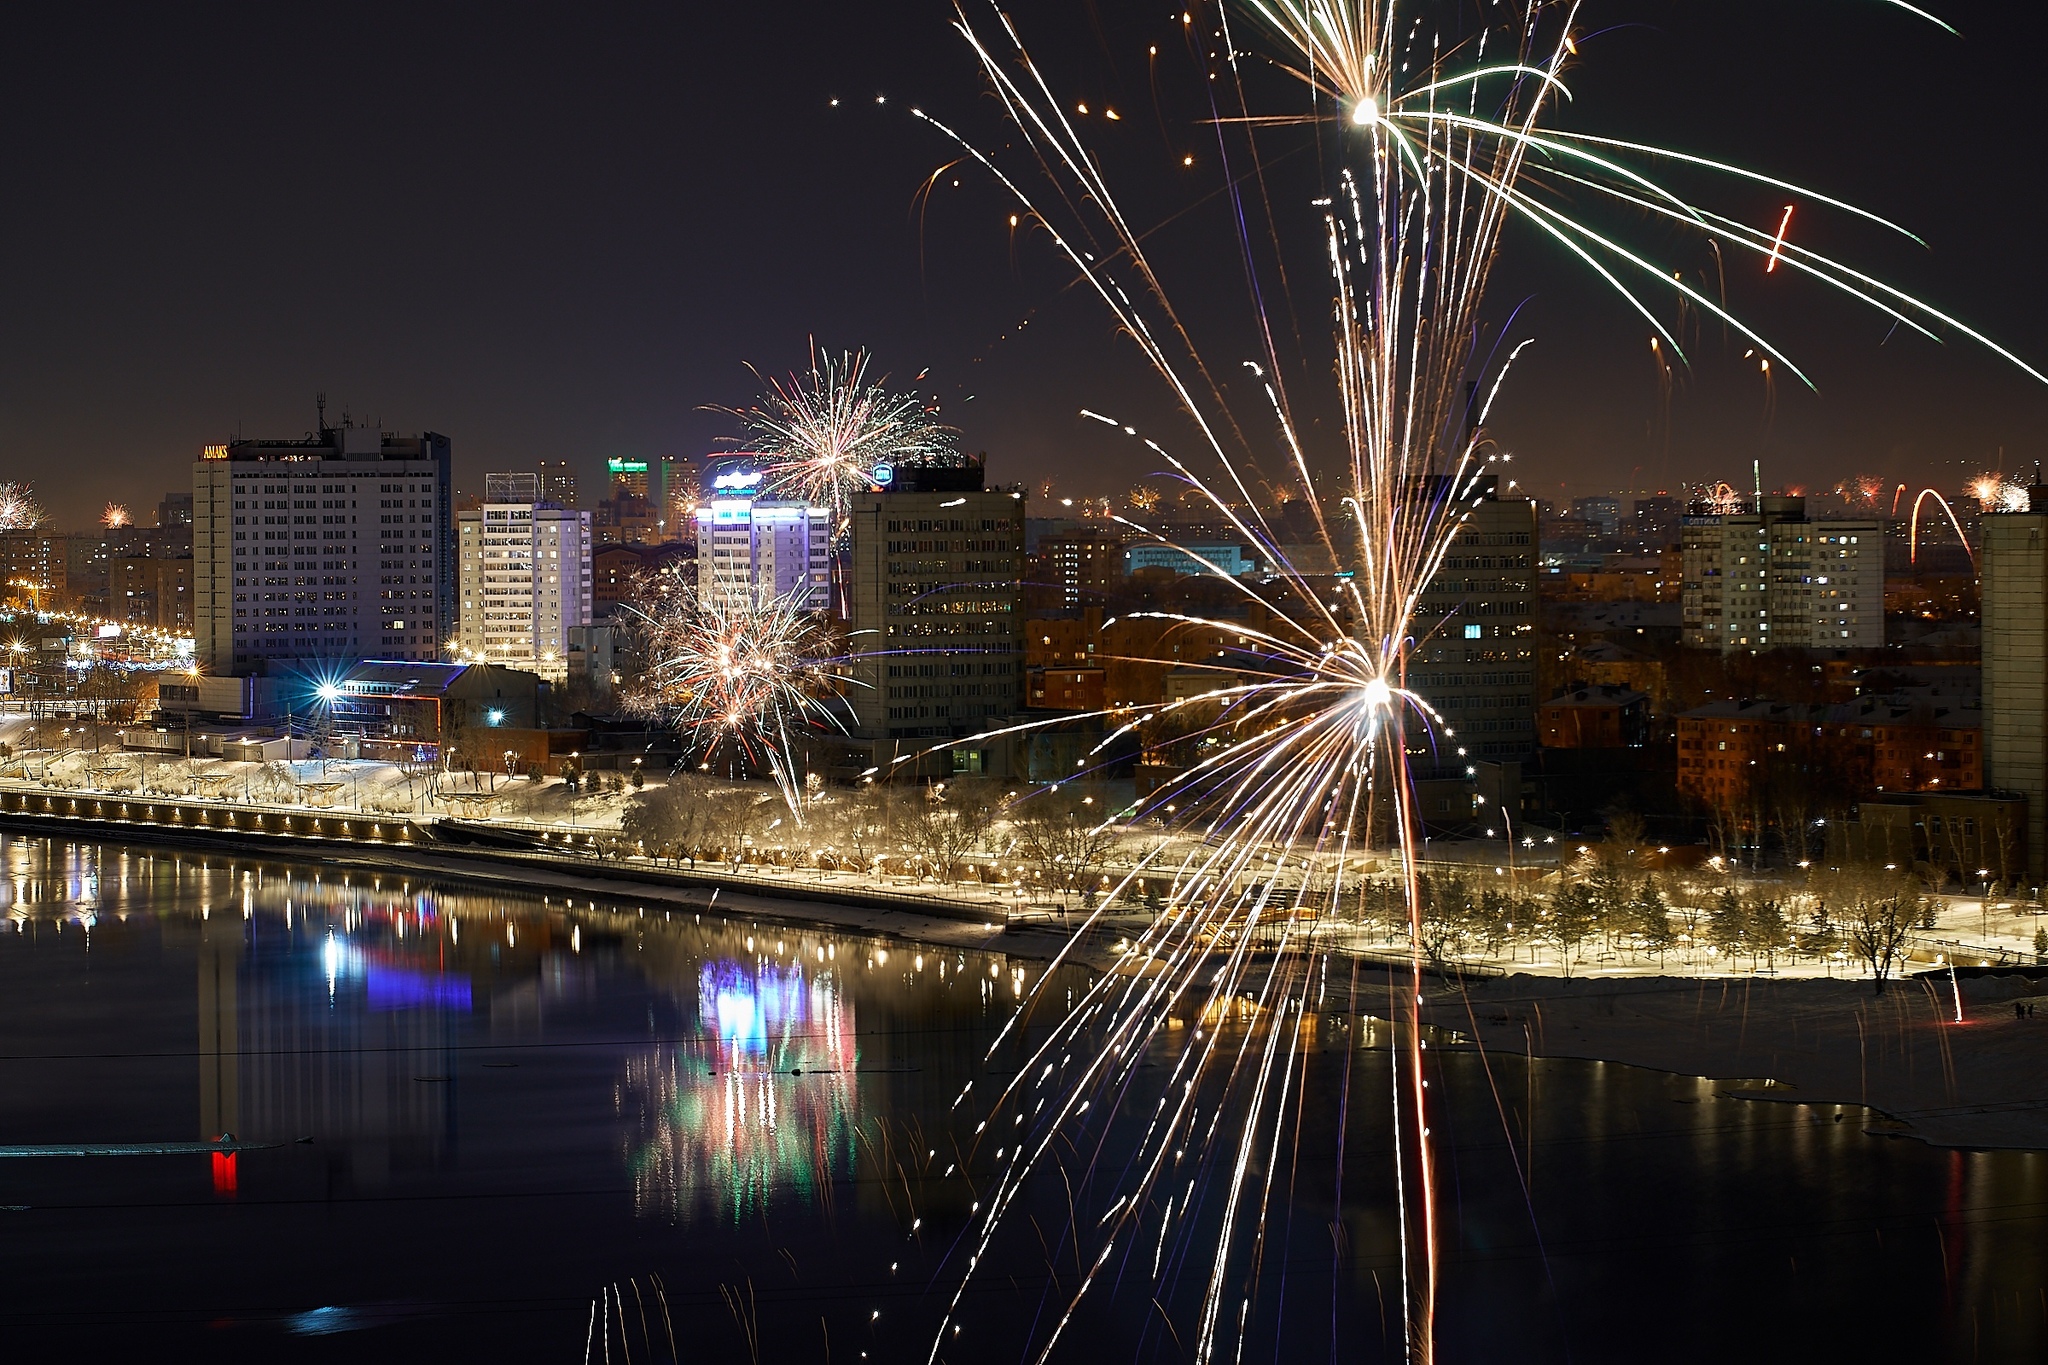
(2013, 558)
(1475, 652)
(37, 567)
(1657, 519)
(1079, 568)
(1771, 579)
(337, 546)
(677, 493)
(557, 483)
(1601, 512)
(627, 476)
(143, 591)
(524, 578)
(763, 548)
(933, 610)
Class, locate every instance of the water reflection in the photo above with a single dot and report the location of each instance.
(762, 1099)
(629, 1090)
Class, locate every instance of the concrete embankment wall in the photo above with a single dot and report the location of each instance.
(394, 843)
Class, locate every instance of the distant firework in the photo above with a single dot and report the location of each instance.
(828, 432)
(116, 515)
(1997, 493)
(19, 510)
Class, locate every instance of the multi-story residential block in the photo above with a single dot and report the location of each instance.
(1601, 512)
(557, 483)
(1079, 568)
(763, 548)
(1657, 520)
(337, 546)
(626, 476)
(2013, 557)
(1872, 745)
(933, 611)
(152, 592)
(1594, 718)
(1771, 579)
(524, 578)
(37, 567)
(1475, 650)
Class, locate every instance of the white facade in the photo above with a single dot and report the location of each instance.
(331, 548)
(1774, 580)
(525, 584)
(764, 549)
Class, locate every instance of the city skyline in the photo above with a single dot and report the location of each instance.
(592, 257)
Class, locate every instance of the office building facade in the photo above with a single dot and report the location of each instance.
(337, 546)
(1475, 625)
(934, 611)
(1771, 579)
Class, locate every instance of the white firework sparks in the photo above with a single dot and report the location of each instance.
(19, 510)
(1438, 129)
(739, 676)
(825, 432)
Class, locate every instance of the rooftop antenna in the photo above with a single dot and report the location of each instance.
(320, 405)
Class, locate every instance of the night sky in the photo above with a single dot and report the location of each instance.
(559, 232)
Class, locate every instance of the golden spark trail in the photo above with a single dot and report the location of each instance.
(1436, 130)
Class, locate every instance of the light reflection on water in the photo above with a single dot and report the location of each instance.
(514, 1102)
(763, 1099)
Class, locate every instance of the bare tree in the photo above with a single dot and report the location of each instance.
(951, 821)
(1066, 840)
(1876, 916)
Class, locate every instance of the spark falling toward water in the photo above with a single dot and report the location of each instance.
(1435, 134)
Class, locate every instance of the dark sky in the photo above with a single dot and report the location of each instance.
(559, 231)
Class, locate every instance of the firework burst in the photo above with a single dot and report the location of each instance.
(825, 432)
(1997, 493)
(115, 516)
(19, 510)
(1438, 133)
(739, 676)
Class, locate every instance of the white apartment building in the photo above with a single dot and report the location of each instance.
(1771, 579)
(763, 548)
(525, 581)
(335, 547)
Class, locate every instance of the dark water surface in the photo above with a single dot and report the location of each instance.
(751, 1130)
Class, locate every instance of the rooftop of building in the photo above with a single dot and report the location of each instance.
(1605, 695)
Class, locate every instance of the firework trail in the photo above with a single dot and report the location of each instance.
(825, 432)
(19, 510)
(1437, 134)
(739, 674)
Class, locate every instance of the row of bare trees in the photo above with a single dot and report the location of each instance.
(951, 831)
(1863, 914)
